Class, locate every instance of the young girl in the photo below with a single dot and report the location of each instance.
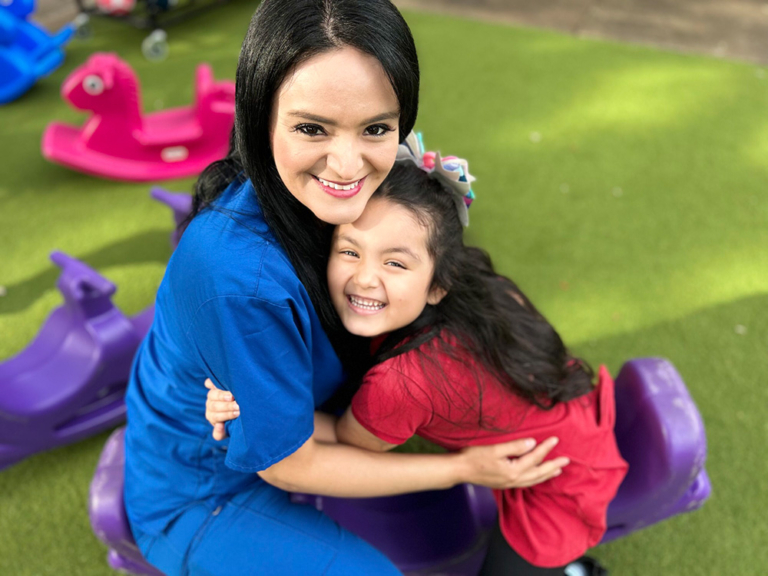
(463, 358)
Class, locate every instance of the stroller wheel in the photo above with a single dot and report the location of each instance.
(83, 28)
(155, 46)
(585, 566)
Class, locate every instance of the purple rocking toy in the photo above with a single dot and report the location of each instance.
(658, 429)
(69, 383)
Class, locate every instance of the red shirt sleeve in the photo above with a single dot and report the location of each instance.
(391, 405)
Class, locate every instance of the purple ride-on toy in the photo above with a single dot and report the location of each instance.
(69, 383)
(658, 429)
(27, 51)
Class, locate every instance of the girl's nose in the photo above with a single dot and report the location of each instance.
(366, 277)
(345, 158)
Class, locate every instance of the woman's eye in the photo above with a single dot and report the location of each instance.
(349, 253)
(377, 130)
(310, 129)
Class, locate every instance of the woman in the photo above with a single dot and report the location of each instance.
(326, 89)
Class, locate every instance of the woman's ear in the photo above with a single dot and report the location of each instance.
(436, 294)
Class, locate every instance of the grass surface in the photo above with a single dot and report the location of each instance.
(622, 187)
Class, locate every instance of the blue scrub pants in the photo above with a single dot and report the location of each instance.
(261, 532)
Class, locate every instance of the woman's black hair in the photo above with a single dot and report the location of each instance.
(282, 35)
(486, 313)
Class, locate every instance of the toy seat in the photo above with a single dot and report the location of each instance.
(27, 51)
(119, 141)
(107, 510)
(661, 434)
(658, 429)
(70, 381)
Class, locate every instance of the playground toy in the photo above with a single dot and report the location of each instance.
(145, 14)
(69, 383)
(27, 51)
(116, 7)
(121, 143)
(658, 429)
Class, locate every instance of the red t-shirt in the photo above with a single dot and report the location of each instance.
(549, 524)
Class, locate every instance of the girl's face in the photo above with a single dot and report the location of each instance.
(379, 271)
(334, 132)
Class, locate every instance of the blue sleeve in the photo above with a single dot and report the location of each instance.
(254, 348)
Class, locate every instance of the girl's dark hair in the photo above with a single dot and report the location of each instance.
(485, 312)
(282, 35)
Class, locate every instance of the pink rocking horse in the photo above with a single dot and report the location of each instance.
(121, 143)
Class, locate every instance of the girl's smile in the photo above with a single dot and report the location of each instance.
(364, 305)
(380, 271)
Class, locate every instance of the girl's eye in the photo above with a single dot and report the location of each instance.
(349, 253)
(396, 265)
(310, 129)
(378, 130)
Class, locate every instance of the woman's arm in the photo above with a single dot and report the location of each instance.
(339, 470)
(347, 471)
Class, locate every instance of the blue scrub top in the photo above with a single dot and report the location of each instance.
(231, 308)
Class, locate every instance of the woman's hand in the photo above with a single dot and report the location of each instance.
(220, 407)
(513, 464)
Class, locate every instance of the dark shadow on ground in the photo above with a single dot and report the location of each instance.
(150, 246)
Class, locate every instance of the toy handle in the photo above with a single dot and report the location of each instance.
(80, 285)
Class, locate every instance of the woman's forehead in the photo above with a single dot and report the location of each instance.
(342, 86)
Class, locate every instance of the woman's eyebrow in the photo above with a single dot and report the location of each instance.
(322, 120)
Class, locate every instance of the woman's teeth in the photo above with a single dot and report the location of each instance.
(366, 304)
(337, 186)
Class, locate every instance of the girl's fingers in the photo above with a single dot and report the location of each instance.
(221, 407)
(217, 393)
(219, 432)
(221, 417)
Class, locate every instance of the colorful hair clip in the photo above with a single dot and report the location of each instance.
(451, 172)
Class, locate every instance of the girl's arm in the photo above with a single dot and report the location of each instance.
(325, 428)
(220, 407)
(350, 431)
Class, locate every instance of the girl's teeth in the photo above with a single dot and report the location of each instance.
(338, 186)
(366, 304)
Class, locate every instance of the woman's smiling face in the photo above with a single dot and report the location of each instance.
(380, 271)
(334, 132)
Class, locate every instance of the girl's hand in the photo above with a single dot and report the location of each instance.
(512, 464)
(220, 407)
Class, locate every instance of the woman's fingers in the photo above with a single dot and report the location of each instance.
(541, 473)
(515, 464)
(531, 469)
(537, 455)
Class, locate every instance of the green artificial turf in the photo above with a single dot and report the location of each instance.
(622, 187)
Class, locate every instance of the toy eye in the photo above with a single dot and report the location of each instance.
(93, 85)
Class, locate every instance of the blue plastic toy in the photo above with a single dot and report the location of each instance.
(27, 51)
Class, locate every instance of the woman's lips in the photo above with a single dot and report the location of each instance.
(338, 191)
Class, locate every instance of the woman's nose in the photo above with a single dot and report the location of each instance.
(345, 158)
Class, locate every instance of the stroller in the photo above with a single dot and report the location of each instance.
(154, 15)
